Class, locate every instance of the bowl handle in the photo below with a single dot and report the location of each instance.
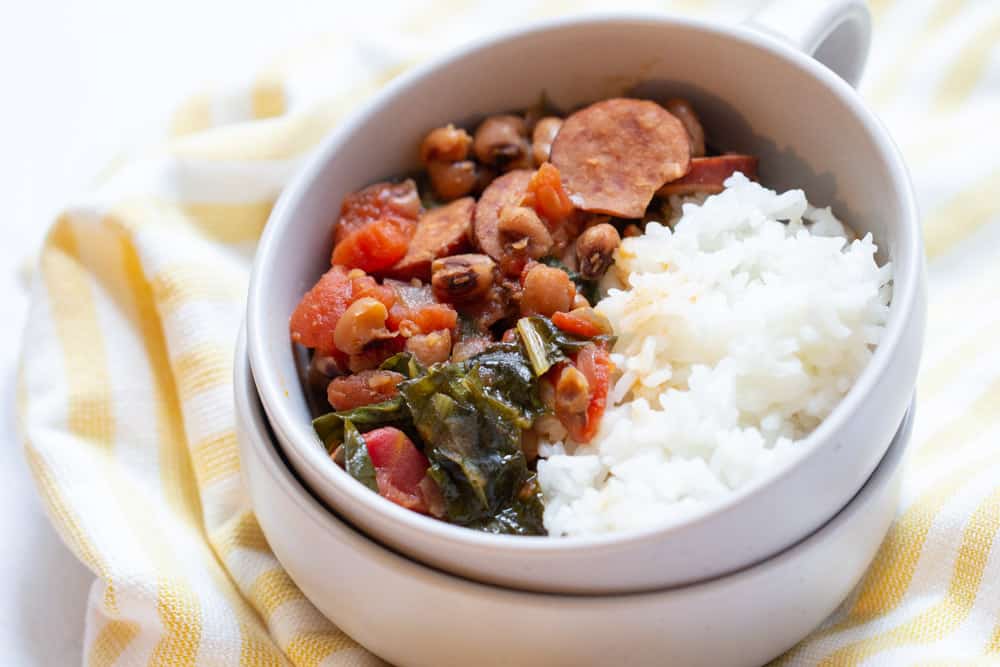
(837, 33)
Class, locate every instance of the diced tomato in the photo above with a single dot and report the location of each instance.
(547, 195)
(434, 318)
(375, 246)
(417, 311)
(596, 365)
(394, 201)
(400, 469)
(364, 285)
(412, 308)
(573, 323)
(347, 392)
(316, 315)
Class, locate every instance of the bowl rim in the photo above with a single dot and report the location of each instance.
(249, 405)
(300, 436)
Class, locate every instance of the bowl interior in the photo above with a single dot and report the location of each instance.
(753, 93)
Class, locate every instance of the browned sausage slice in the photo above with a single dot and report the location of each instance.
(508, 189)
(613, 155)
(707, 174)
(441, 231)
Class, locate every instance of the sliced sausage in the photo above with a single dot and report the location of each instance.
(441, 231)
(615, 154)
(507, 190)
(707, 174)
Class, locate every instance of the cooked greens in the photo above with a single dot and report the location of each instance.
(331, 426)
(469, 417)
(356, 460)
(546, 344)
(403, 363)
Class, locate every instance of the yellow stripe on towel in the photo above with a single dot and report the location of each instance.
(944, 11)
(963, 215)
(203, 367)
(229, 223)
(215, 457)
(888, 578)
(309, 649)
(267, 98)
(112, 639)
(947, 614)
(969, 68)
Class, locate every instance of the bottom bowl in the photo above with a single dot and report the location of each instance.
(411, 614)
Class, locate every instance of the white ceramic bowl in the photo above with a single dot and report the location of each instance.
(756, 94)
(411, 614)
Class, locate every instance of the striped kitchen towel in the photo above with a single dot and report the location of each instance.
(125, 396)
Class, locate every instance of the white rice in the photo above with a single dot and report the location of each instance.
(738, 332)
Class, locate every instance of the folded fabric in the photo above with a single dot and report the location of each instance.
(125, 396)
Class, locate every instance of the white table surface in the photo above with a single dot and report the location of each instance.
(80, 80)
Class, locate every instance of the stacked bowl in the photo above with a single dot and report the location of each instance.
(735, 584)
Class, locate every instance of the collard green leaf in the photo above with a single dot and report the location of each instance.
(403, 363)
(539, 345)
(470, 416)
(545, 344)
(330, 427)
(356, 460)
(501, 378)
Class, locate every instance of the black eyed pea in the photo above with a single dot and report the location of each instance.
(523, 232)
(445, 144)
(462, 277)
(362, 323)
(452, 180)
(595, 249)
(501, 141)
(542, 137)
(546, 291)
